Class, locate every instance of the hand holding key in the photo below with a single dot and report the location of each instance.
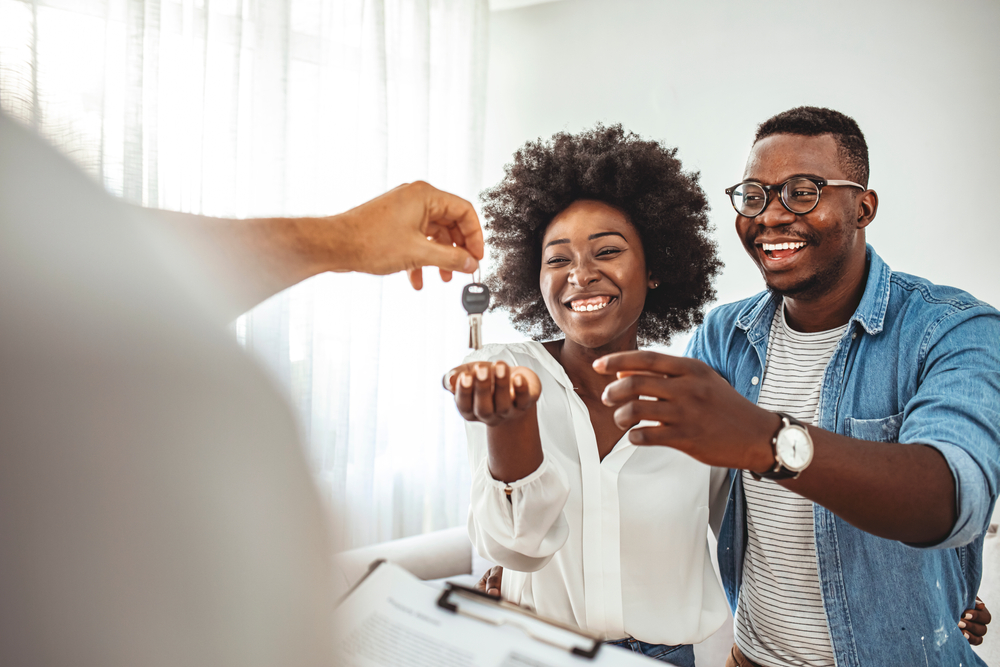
(493, 393)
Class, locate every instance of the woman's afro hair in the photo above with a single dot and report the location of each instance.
(642, 179)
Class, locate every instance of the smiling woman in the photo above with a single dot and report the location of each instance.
(641, 179)
(603, 238)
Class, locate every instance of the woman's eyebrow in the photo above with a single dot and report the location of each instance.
(597, 236)
(589, 238)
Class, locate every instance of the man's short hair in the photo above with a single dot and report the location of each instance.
(813, 121)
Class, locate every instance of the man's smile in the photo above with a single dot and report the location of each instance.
(780, 251)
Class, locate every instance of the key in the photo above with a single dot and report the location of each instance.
(475, 300)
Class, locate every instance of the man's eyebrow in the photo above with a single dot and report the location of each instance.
(757, 180)
(589, 238)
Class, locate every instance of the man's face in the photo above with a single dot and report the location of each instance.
(822, 243)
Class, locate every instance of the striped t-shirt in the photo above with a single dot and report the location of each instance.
(780, 619)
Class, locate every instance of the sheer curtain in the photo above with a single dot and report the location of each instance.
(286, 107)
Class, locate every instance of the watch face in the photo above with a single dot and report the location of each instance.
(794, 447)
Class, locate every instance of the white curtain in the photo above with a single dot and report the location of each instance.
(291, 107)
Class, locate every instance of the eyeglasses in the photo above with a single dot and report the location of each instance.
(798, 195)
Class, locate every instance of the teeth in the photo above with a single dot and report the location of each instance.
(589, 307)
(795, 245)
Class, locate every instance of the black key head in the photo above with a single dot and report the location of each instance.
(476, 298)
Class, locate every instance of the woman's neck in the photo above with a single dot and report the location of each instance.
(577, 360)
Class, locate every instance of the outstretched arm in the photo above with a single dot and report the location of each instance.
(897, 491)
(412, 226)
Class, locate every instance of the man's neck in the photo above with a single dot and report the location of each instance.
(831, 309)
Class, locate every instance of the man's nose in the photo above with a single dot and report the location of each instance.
(774, 214)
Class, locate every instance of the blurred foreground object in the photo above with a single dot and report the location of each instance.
(155, 504)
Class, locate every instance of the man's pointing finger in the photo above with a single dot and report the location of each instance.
(641, 360)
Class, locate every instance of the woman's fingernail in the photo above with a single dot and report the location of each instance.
(482, 372)
(466, 380)
(966, 634)
(518, 381)
(961, 624)
(501, 370)
(446, 380)
(969, 615)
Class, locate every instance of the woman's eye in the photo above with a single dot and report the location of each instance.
(608, 252)
(552, 261)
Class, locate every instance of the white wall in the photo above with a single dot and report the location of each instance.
(919, 77)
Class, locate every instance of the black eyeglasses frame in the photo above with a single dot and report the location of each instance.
(780, 189)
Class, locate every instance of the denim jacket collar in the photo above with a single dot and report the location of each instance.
(870, 313)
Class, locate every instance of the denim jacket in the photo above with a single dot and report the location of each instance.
(919, 363)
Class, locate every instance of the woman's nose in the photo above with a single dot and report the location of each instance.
(584, 273)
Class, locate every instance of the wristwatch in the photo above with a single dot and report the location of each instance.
(792, 448)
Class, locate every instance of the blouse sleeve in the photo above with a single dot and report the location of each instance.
(524, 530)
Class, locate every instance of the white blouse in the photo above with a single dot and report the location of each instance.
(618, 547)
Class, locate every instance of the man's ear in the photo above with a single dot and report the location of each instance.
(867, 208)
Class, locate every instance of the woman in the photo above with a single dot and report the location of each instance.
(602, 237)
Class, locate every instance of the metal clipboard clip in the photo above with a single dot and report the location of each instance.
(485, 608)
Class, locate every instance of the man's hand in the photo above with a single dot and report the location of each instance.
(698, 412)
(410, 227)
(973, 622)
(899, 492)
(405, 229)
(489, 583)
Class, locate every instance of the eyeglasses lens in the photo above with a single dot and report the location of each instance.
(749, 199)
(800, 195)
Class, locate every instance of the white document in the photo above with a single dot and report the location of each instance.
(392, 619)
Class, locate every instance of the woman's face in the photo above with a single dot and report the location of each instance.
(593, 277)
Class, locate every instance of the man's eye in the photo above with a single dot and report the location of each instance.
(752, 197)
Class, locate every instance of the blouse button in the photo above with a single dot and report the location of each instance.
(754, 380)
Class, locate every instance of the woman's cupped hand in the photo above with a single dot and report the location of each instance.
(493, 393)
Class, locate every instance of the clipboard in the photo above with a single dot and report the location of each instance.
(484, 608)
(392, 618)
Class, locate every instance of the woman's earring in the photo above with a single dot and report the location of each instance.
(654, 284)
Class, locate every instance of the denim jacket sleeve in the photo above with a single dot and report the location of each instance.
(956, 410)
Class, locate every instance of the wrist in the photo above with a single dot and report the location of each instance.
(333, 243)
(762, 447)
(792, 448)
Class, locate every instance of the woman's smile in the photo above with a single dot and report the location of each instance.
(591, 304)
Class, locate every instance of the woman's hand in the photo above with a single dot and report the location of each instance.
(973, 622)
(489, 583)
(493, 393)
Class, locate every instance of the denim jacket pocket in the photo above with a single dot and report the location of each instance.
(875, 430)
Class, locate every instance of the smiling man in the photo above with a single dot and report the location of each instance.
(859, 408)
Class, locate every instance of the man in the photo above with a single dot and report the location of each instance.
(155, 504)
(860, 409)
